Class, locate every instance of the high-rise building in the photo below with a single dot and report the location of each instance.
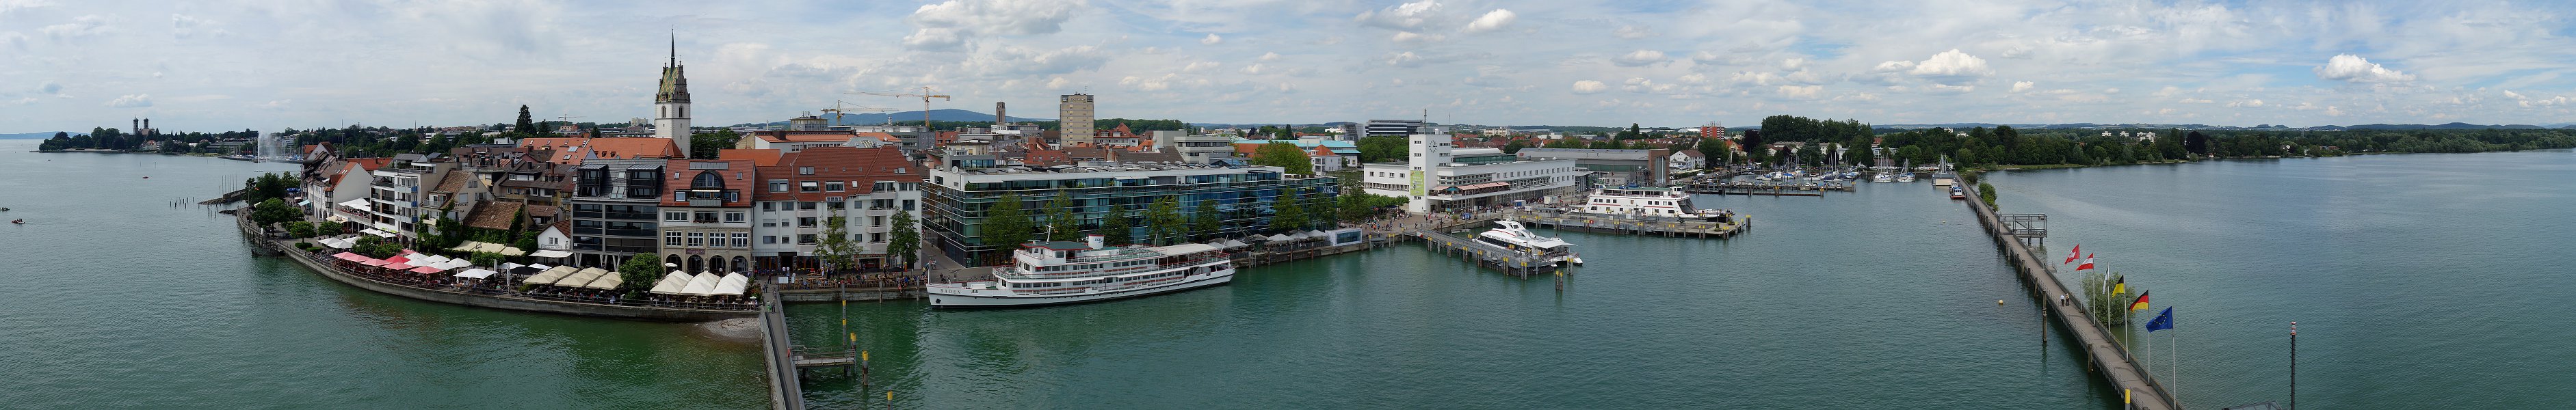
(1400, 128)
(1073, 111)
(671, 104)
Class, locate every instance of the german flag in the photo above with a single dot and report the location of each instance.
(2141, 303)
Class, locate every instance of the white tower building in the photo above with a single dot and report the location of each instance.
(671, 104)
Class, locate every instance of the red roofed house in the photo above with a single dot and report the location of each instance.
(706, 219)
(572, 150)
(866, 186)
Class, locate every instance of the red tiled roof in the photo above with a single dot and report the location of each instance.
(493, 215)
(738, 175)
(572, 150)
(859, 168)
(760, 157)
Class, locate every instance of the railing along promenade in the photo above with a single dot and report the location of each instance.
(2108, 356)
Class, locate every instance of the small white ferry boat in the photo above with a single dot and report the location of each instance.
(1054, 273)
(1634, 202)
(1509, 234)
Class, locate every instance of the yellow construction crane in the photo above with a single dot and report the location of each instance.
(925, 102)
(843, 108)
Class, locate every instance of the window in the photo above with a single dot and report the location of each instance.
(808, 186)
(805, 222)
(907, 204)
(835, 204)
(804, 170)
(768, 240)
(741, 240)
(834, 186)
(882, 204)
(705, 217)
(805, 239)
(876, 221)
(734, 217)
(876, 237)
(765, 207)
(697, 239)
(671, 239)
(777, 185)
(675, 216)
(805, 206)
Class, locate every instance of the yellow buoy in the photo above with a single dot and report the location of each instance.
(1999, 301)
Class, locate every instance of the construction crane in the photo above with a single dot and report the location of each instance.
(840, 108)
(567, 119)
(925, 102)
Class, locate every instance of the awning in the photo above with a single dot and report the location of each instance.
(335, 218)
(337, 243)
(702, 285)
(476, 273)
(551, 254)
(549, 276)
(468, 246)
(607, 281)
(670, 284)
(349, 256)
(373, 262)
(511, 251)
(428, 260)
(360, 203)
(403, 258)
(378, 233)
(397, 266)
(426, 269)
(303, 203)
(582, 277)
(733, 284)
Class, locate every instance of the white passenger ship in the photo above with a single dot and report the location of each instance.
(1053, 273)
(1633, 202)
(1509, 234)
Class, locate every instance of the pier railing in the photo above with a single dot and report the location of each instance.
(2108, 355)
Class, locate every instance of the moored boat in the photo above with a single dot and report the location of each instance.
(1634, 202)
(1055, 273)
(1509, 234)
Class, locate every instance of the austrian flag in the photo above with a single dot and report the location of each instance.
(2088, 263)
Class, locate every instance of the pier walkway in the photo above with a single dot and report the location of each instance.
(2109, 358)
(785, 389)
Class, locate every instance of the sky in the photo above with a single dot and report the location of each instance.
(268, 65)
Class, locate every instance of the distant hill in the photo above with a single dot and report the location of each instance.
(31, 135)
(907, 116)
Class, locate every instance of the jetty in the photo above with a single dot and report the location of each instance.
(2108, 357)
(1781, 188)
(785, 377)
(1511, 262)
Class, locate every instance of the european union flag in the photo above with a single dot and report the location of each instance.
(2162, 322)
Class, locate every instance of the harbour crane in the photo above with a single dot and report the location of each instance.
(840, 108)
(925, 101)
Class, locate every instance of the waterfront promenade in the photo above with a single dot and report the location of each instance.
(2109, 358)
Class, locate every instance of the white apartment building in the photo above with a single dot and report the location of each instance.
(1437, 175)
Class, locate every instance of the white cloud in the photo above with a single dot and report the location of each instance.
(1269, 56)
(1405, 59)
(1589, 86)
(2330, 111)
(2245, 104)
(1411, 37)
(948, 25)
(2196, 101)
(1196, 66)
(1638, 58)
(131, 101)
(84, 26)
(1254, 69)
(1952, 64)
(1491, 21)
(1211, 39)
(2020, 86)
(1801, 92)
(1405, 16)
(2353, 68)
(1633, 32)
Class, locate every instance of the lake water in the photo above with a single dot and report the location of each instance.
(2420, 281)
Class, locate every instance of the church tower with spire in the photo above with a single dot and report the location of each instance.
(671, 104)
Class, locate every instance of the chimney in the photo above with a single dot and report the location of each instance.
(998, 117)
(1096, 241)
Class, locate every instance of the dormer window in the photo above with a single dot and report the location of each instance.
(804, 170)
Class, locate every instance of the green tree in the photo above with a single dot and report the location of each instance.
(1061, 225)
(639, 273)
(1384, 148)
(834, 248)
(1515, 146)
(1986, 193)
(707, 145)
(1006, 225)
(1117, 227)
(1284, 155)
(1163, 221)
(1714, 150)
(526, 124)
(904, 238)
(300, 229)
(274, 210)
(1204, 221)
(1288, 210)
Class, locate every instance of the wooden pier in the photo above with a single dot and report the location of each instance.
(2108, 357)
